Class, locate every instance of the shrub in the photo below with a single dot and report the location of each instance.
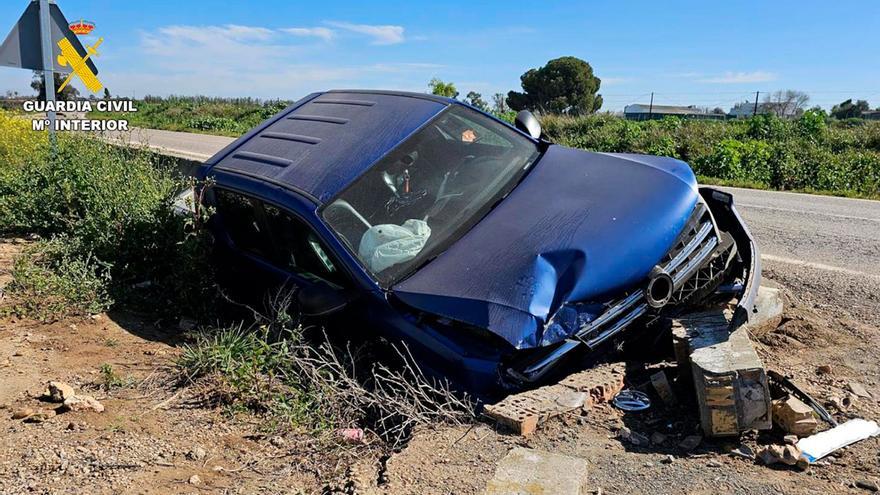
(737, 160)
(112, 206)
(52, 280)
(19, 142)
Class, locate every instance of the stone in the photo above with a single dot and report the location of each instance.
(858, 389)
(785, 454)
(23, 413)
(40, 416)
(790, 439)
(638, 439)
(528, 471)
(195, 480)
(83, 403)
(667, 460)
(197, 453)
(840, 403)
(794, 417)
(743, 451)
(824, 369)
(58, 392)
(867, 485)
(714, 464)
(658, 438)
(690, 442)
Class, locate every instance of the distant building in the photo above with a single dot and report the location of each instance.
(640, 111)
(747, 109)
(871, 115)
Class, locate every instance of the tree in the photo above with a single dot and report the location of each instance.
(499, 101)
(788, 103)
(38, 84)
(565, 85)
(476, 100)
(441, 88)
(849, 110)
(106, 94)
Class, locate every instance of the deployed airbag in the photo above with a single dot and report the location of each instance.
(386, 245)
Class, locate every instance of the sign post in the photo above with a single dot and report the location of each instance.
(48, 64)
(42, 41)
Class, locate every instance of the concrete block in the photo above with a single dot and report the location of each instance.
(768, 308)
(728, 375)
(531, 472)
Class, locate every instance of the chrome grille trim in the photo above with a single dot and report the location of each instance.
(684, 261)
(673, 266)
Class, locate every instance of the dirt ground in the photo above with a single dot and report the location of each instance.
(153, 439)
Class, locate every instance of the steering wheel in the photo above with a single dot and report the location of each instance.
(444, 196)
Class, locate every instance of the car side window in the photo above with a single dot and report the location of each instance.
(240, 218)
(297, 248)
(275, 236)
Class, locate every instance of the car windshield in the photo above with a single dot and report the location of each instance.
(428, 191)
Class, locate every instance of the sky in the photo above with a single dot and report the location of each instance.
(710, 54)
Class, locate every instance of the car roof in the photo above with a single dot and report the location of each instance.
(322, 143)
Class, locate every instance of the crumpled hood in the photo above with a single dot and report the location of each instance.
(580, 227)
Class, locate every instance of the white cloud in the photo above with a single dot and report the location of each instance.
(740, 77)
(611, 81)
(325, 34)
(206, 34)
(381, 34)
(232, 60)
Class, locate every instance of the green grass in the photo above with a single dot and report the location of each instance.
(248, 372)
(106, 223)
(219, 116)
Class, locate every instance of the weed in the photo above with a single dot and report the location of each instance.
(273, 370)
(111, 210)
(52, 280)
(110, 379)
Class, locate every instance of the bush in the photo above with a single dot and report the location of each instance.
(19, 142)
(111, 206)
(738, 161)
(804, 154)
(52, 280)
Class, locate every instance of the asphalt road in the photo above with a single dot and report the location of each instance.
(826, 245)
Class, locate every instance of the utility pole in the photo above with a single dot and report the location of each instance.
(755, 113)
(651, 107)
(48, 64)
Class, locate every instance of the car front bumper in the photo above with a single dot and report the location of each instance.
(715, 249)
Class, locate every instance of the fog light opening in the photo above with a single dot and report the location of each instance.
(659, 289)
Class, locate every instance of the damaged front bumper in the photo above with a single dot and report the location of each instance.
(714, 253)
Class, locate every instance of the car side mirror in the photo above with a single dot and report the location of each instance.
(528, 123)
(321, 300)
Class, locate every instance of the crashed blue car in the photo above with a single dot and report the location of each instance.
(491, 253)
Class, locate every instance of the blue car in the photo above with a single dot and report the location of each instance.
(491, 253)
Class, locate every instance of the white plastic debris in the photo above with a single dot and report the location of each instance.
(821, 444)
(388, 244)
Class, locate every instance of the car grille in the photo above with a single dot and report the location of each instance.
(685, 263)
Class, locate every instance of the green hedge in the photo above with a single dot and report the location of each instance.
(809, 153)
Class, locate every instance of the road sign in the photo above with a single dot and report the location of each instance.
(22, 48)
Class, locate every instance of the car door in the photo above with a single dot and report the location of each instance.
(269, 249)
